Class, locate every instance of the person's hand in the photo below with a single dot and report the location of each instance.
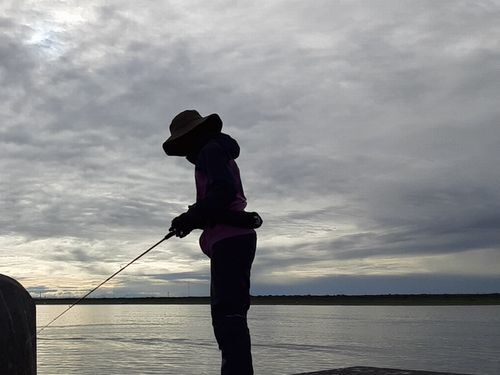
(183, 224)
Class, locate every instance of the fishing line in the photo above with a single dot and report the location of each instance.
(109, 278)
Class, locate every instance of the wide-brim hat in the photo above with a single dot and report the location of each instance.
(183, 126)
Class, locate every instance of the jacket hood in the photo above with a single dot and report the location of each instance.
(228, 144)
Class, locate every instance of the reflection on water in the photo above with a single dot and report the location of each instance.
(178, 339)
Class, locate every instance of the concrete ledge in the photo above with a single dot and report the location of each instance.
(360, 370)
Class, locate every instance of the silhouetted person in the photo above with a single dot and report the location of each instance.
(228, 237)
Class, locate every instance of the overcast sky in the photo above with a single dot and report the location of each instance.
(369, 135)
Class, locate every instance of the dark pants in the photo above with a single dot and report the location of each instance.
(230, 300)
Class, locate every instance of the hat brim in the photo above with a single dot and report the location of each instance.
(178, 145)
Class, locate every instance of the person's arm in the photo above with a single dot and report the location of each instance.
(221, 190)
(220, 193)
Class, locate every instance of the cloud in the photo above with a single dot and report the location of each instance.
(407, 284)
(368, 133)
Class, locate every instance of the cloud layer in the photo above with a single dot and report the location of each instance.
(369, 141)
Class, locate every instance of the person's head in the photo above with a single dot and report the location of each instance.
(189, 131)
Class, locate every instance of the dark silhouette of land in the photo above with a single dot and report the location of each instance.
(347, 300)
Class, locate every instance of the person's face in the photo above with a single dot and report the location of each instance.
(197, 139)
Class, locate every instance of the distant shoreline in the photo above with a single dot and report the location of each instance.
(316, 300)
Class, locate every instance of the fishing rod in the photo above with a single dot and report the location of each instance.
(109, 278)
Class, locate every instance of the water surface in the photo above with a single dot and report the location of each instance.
(178, 339)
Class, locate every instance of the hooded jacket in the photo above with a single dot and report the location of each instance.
(218, 188)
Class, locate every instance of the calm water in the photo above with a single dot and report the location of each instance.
(170, 339)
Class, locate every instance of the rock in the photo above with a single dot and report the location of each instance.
(17, 329)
